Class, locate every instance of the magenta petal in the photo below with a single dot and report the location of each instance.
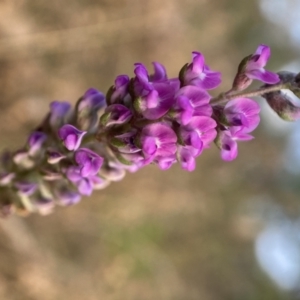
(73, 174)
(201, 124)
(98, 183)
(198, 62)
(89, 161)
(165, 163)
(141, 72)
(158, 139)
(71, 136)
(244, 136)
(204, 127)
(229, 149)
(120, 89)
(35, 141)
(243, 112)
(91, 101)
(152, 99)
(196, 95)
(186, 116)
(187, 160)
(71, 142)
(85, 187)
(6, 178)
(149, 145)
(161, 131)
(195, 140)
(160, 72)
(58, 111)
(121, 81)
(211, 80)
(242, 105)
(117, 114)
(204, 110)
(263, 52)
(68, 197)
(26, 188)
(54, 156)
(263, 75)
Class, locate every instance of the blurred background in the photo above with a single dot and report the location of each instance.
(225, 231)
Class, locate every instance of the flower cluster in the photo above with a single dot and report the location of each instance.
(147, 119)
(161, 120)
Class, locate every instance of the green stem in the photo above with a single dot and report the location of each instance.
(225, 97)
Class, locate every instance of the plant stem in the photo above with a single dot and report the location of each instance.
(225, 97)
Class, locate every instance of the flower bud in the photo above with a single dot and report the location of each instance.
(71, 136)
(283, 105)
(88, 161)
(35, 142)
(26, 188)
(116, 114)
(6, 178)
(88, 107)
(252, 68)
(67, 197)
(59, 112)
(54, 156)
(22, 159)
(112, 172)
(44, 205)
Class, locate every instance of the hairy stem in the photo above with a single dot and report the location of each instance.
(225, 97)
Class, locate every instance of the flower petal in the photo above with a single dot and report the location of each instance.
(263, 75)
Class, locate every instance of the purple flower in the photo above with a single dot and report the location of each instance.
(58, 110)
(26, 188)
(199, 133)
(98, 183)
(83, 184)
(68, 197)
(124, 143)
(54, 156)
(113, 171)
(132, 161)
(44, 205)
(227, 141)
(158, 139)
(255, 66)
(160, 73)
(87, 108)
(242, 112)
(199, 74)
(6, 178)
(192, 101)
(35, 142)
(92, 100)
(120, 89)
(116, 114)
(143, 83)
(21, 158)
(158, 101)
(186, 156)
(88, 161)
(51, 174)
(165, 162)
(71, 136)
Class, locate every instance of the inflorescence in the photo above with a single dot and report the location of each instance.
(147, 119)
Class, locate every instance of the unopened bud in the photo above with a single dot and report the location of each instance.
(87, 108)
(241, 80)
(283, 105)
